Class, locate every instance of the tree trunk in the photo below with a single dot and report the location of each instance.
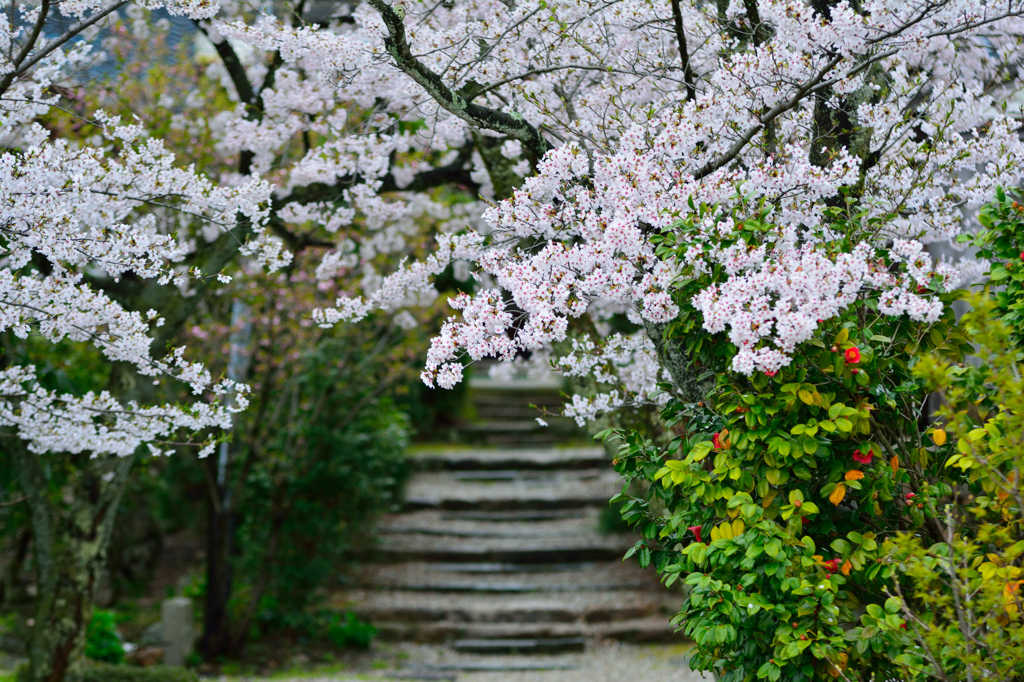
(220, 529)
(72, 503)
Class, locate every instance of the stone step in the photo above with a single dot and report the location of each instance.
(552, 645)
(423, 547)
(654, 630)
(492, 568)
(512, 516)
(508, 577)
(442, 491)
(434, 522)
(526, 458)
(525, 475)
(575, 607)
(499, 666)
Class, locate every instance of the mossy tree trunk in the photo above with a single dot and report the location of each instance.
(72, 502)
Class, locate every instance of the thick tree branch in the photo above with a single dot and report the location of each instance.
(512, 125)
(684, 54)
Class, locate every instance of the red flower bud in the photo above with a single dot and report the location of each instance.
(770, 374)
(853, 355)
(696, 531)
(854, 371)
(797, 503)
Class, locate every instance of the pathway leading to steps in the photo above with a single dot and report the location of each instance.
(496, 568)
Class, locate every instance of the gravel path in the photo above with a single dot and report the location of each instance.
(609, 662)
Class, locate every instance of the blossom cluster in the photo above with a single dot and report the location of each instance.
(771, 304)
(81, 210)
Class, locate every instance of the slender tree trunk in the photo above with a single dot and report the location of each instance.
(72, 503)
(12, 589)
(220, 530)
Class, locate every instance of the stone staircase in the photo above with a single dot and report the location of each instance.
(498, 557)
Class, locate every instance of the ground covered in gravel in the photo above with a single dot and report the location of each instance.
(600, 663)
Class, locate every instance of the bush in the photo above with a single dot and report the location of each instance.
(345, 630)
(961, 596)
(776, 502)
(102, 641)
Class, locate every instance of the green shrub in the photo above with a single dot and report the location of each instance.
(345, 630)
(959, 605)
(102, 642)
(776, 501)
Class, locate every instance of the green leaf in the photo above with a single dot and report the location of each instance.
(841, 546)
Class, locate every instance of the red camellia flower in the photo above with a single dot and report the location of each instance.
(853, 355)
(862, 457)
(832, 565)
(716, 441)
(696, 532)
(1022, 255)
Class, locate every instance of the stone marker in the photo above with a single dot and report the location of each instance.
(176, 630)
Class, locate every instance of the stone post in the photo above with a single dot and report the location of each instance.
(176, 629)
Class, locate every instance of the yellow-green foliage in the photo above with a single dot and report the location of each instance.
(962, 597)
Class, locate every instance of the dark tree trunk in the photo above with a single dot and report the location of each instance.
(72, 503)
(220, 530)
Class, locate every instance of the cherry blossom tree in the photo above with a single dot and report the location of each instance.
(636, 115)
(547, 149)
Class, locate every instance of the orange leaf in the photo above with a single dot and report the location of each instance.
(895, 464)
(845, 570)
(838, 494)
(854, 475)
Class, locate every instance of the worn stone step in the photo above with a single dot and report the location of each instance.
(497, 568)
(501, 666)
(511, 516)
(475, 458)
(435, 522)
(525, 475)
(570, 607)
(505, 577)
(440, 490)
(654, 630)
(422, 547)
(552, 645)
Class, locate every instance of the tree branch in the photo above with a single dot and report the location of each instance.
(22, 64)
(512, 125)
(684, 55)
